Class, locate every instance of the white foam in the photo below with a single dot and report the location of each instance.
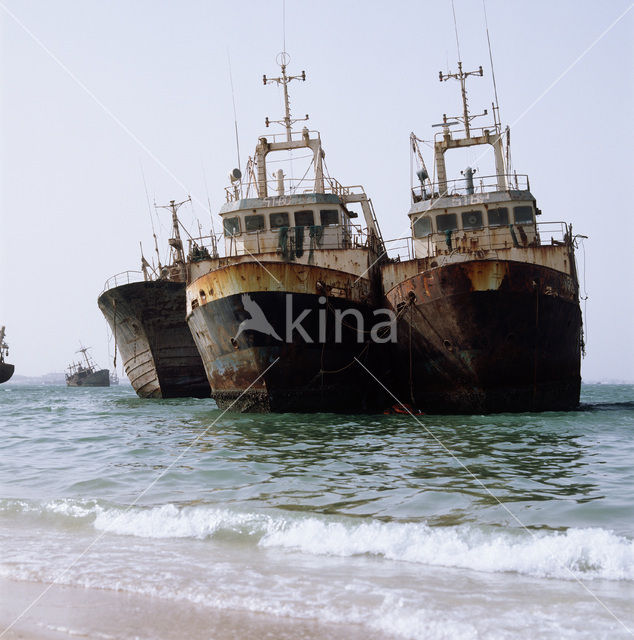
(586, 553)
(593, 553)
(168, 521)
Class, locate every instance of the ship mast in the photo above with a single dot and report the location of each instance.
(175, 241)
(4, 347)
(283, 59)
(462, 76)
(264, 147)
(84, 350)
(450, 142)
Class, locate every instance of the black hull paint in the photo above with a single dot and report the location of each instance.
(513, 349)
(6, 371)
(99, 378)
(159, 354)
(260, 373)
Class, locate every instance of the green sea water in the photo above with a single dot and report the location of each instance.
(426, 527)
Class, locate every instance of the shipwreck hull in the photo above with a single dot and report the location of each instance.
(304, 376)
(158, 352)
(489, 336)
(6, 371)
(99, 378)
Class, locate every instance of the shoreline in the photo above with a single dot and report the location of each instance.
(75, 612)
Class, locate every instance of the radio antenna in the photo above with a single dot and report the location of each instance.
(147, 197)
(455, 26)
(495, 89)
(235, 116)
(284, 25)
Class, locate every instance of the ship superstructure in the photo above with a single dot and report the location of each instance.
(490, 317)
(277, 318)
(86, 373)
(6, 369)
(146, 314)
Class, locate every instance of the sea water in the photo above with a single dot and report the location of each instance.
(485, 526)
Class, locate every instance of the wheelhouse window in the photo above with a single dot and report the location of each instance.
(472, 219)
(277, 220)
(304, 219)
(231, 226)
(446, 222)
(498, 217)
(254, 223)
(422, 227)
(329, 216)
(523, 215)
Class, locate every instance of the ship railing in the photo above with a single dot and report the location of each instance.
(293, 186)
(125, 277)
(295, 135)
(494, 238)
(400, 249)
(280, 242)
(553, 233)
(479, 185)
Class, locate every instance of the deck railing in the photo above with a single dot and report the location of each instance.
(291, 186)
(280, 241)
(125, 277)
(485, 239)
(462, 187)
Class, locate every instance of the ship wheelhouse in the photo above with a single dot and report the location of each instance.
(281, 224)
(474, 218)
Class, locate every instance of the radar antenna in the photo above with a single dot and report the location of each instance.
(462, 77)
(283, 59)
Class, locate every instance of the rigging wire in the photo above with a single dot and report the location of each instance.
(284, 26)
(585, 299)
(211, 217)
(495, 89)
(147, 198)
(455, 26)
(235, 116)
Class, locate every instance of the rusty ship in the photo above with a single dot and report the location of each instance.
(146, 314)
(489, 298)
(281, 319)
(86, 373)
(6, 369)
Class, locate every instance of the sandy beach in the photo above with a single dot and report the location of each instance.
(72, 612)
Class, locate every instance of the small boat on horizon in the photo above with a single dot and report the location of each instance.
(86, 374)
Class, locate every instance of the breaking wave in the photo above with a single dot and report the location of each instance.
(588, 553)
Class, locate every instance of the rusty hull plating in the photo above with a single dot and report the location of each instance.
(159, 355)
(321, 375)
(489, 336)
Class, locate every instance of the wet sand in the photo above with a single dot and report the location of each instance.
(100, 614)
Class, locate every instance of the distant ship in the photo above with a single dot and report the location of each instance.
(114, 378)
(489, 301)
(6, 369)
(86, 374)
(268, 318)
(147, 320)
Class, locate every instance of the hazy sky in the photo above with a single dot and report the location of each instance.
(151, 92)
